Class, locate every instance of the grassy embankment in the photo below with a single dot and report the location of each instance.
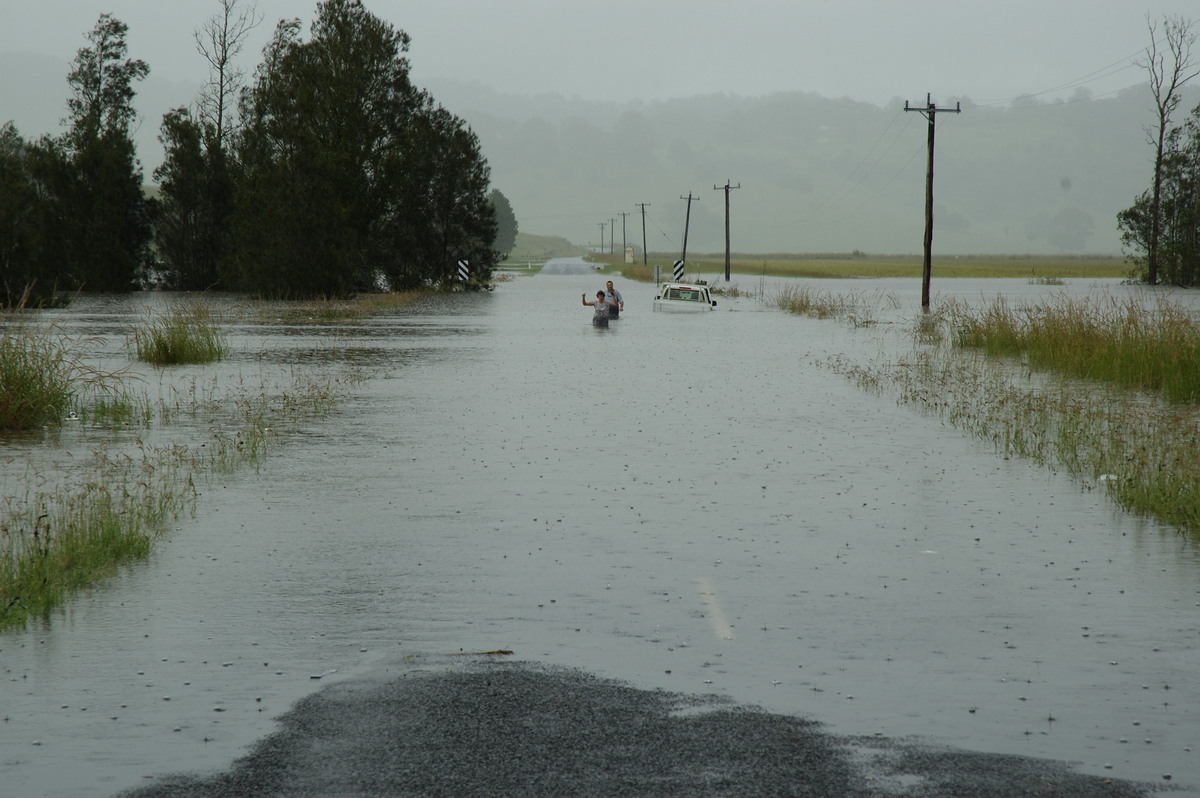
(63, 528)
(1107, 390)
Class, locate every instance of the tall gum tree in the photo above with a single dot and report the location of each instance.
(109, 229)
(196, 183)
(1170, 64)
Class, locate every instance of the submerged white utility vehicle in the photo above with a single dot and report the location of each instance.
(684, 297)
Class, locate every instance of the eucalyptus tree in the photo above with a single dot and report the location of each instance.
(196, 200)
(219, 41)
(1170, 64)
(445, 213)
(190, 228)
(105, 222)
(345, 172)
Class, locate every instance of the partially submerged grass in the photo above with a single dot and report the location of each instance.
(1066, 386)
(1145, 455)
(857, 307)
(72, 534)
(37, 380)
(185, 333)
(54, 542)
(82, 521)
(330, 310)
(1121, 342)
(45, 380)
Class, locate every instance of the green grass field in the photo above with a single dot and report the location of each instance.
(856, 265)
(535, 250)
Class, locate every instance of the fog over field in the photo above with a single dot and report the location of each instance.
(587, 117)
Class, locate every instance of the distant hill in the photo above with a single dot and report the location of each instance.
(535, 248)
(817, 174)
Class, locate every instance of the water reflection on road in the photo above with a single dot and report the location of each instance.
(686, 502)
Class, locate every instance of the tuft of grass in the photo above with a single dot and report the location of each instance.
(44, 379)
(859, 308)
(329, 310)
(729, 290)
(183, 334)
(37, 376)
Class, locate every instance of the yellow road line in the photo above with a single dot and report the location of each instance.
(716, 617)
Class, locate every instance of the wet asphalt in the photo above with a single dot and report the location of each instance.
(482, 726)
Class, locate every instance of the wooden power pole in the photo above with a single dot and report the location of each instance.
(687, 220)
(624, 237)
(930, 112)
(643, 206)
(727, 189)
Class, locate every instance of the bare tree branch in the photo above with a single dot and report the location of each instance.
(1170, 64)
(219, 41)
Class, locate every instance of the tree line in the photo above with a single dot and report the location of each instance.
(325, 172)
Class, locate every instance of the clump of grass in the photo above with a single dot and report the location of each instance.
(44, 379)
(330, 310)
(729, 290)
(36, 380)
(390, 300)
(856, 307)
(183, 334)
(1116, 341)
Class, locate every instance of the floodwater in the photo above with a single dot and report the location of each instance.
(687, 502)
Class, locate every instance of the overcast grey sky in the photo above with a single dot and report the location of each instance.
(870, 50)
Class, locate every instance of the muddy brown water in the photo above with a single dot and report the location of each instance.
(684, 502)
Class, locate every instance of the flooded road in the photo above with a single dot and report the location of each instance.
(686, 502)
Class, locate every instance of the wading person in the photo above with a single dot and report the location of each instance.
(618, 304)
(602, 306)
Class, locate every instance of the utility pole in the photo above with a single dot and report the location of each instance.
(930, 112)
(601, 224)
(687, 220)
(727, 189)
(624, 239)
(645, 256)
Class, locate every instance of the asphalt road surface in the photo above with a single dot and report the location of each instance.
(481, 726)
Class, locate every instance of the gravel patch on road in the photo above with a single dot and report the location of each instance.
(484, 727)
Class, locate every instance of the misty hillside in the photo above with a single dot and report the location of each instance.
(818, 174)
(815, 174)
